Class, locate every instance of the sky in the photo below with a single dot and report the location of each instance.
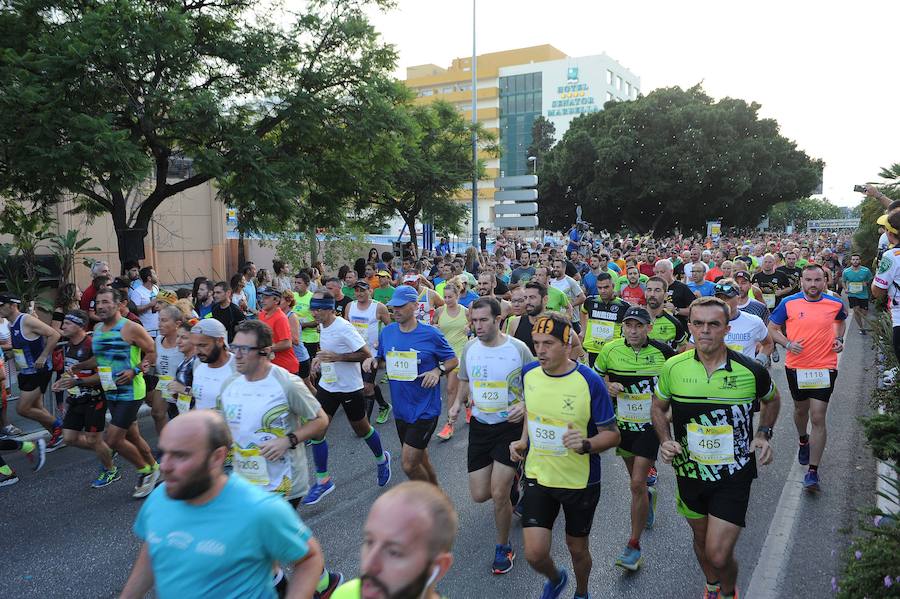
(828, 72)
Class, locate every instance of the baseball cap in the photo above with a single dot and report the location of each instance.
(167, 297)
(727, 289)
(884, 222)
(403, 295)
(268, 292)
(211, 327)
(638, 313)
(361, 284)
(742, 273)
(410, 278)
(384, 273)
(9, 298)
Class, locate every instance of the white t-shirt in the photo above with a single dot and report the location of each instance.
(340, 337)
(569, 286)
(208, 382)
(888, 278)
(494, 375)
(746, 331)
(141, 296)
(167, 361)
(883, 242)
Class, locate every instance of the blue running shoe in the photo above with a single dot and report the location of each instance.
(585, 596)
(652, 476)
(503, 559)
(384, 470)
(651, 514)
(803, 454)
(630, 559)
(318, 491)
(553, 591)
(106, 477)
(811, 481)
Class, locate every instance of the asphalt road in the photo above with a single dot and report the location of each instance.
(60, 538)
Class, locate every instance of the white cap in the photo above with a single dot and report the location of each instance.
(211, 328)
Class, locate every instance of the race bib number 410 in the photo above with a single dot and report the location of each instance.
(403, 365)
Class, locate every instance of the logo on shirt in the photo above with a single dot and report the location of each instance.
(211, 547)
(729, 382)
(179, 540)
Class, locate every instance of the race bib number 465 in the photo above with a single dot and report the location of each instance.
(711, 445)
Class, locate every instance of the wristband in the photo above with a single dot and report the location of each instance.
(293, 440)
(841, 339)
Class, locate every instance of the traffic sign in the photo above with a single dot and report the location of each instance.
(516, 195)
(521, 222)
(519, 181)
(517, 208)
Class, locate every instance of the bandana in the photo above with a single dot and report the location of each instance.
(74, 320)
(547, 326)
(319, 303)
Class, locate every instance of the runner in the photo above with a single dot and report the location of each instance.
(601, 317)
(341, 384)
(117, 344)
(32, 345)
(452, 320)
(341, 300)
(204, 301)
(416, 356)
(630, 365)
(309, 328)
(143, 297)
(570, 421)
(428, 301)
(791, 270)
(774, 284)
(86, 411)
(492, 365)
(270, 413)
(408, 539)
(487, 288)
(570, 288)
(747, 334)
(634, 292)
(887, 281)
(168, 357)
(711, 390)
(215, 364)
(385, 291)
(271, 314)
(814, 325)
(207, 534)
(858, 279)
(557, 301)
(180, 388)
(747, 303)
(678, 295)
(368, 317)
(224, 310)
(666, 328)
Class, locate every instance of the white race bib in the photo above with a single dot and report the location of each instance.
(546, 436)
(492, 396)
(711, 445)
(362, 328)
(329, 373)
(106, 378)
(855, 287)
(770, 300)
(163, 386)
(633, 407)
(183, 403)
(21, 362)
(403, 365)
(813, 379)
(602, 331)
(250, 465)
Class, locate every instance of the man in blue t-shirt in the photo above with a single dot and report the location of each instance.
(208, 534)
(416, 355)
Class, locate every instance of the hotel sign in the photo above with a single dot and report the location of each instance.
(572, 98)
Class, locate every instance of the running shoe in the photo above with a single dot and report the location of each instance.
(335, 579)
(145, 484)
(503, 559)
(38, 455)
(56, 440)
(630, 559)
(8, 479)
(383, 413)
(811, 481)
(318, 491)
(11, 430)
(652, 476)
(553, 591)
(446, 432)
(651, 514)
(106, 477)
(803, 454)
(384, 470)
(708, 593)
(776, 357)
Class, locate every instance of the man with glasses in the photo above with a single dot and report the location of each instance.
(711, 390)
(271, 314)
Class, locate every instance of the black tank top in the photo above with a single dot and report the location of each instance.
(523, 333)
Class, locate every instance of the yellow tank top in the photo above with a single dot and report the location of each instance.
(454, 328)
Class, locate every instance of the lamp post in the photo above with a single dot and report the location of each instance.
(533, 161)
(474, 136)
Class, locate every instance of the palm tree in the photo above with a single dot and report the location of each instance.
(892, 174)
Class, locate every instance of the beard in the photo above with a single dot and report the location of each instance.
(534, 311)
(213, 356)
(196, 484)
(653, 303)
(414, 590)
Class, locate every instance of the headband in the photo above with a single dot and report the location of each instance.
(320, 303)
(545, 325)
(74, 320)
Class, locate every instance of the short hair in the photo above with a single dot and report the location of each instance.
(262, 331)
(444, 520)
(173, 312)
(665, 263)
(248, 266)
(324, 294)
(812, 266)
(303, 276)
(218, 433)
(541, 288)
(183, 293)
(487, 302)
(660, 280)
(115, 293)
(129, 264)
(222, 285)
(288, 296)
(603, 276)
(702, 302)
(145, 273)
(854, 254)
(700, 266)
(97, 267)
(81, 315)
(332, 280)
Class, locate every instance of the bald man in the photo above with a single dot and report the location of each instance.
(407, 543)
(208, 534)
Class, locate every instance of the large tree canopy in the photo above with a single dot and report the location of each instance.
(799, 211)
(100, 100)
(673, 158)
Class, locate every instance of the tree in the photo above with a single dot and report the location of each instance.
(543, 136)
(102, 100)
(797, 212)
(865, 239)
(673, 158)
(433, 146)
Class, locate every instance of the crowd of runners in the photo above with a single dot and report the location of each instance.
(553, 351)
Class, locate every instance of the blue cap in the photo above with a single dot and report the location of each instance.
(403, 295)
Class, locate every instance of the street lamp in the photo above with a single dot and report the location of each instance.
(533, 161)
(474, 135)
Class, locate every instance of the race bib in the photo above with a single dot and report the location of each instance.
(250, 465)
(602, 331)
(106, 378)
(329, 373)
(770, 300)
(855, 287)
(633, 407)
(183, 403)
(21, 362)
(813, 379)
(403, 365)
(362, 328)
(492, 396)
(546, 436)
(711, 445)
(736, 347)
(163, 386)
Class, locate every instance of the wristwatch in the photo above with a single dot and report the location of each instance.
(766, 431)
(442, 368)
(585, 446)
(293, 439)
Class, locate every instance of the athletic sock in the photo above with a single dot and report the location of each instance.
(634, 544)
(57, 423)
(27, 447)
(712, 586)
(813, 467)
(373, 440)
(320, 458)
(6, 470)
(804, 439)
(323, 582)
(145, 469)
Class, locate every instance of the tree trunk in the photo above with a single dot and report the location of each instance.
(313, 247)
(242, 253)
(410, 221)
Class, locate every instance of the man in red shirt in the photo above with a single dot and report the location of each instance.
(646, 268)
(633, 292)
(272, 315)
(99, 278)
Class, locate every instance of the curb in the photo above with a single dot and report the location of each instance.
(144, 410)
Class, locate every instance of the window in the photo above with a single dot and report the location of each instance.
(627, 90)
(609, 96)
(609, 77)
(446, 90)
(618, 82)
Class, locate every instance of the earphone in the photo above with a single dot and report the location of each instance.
(263, 352)
(434, 574)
